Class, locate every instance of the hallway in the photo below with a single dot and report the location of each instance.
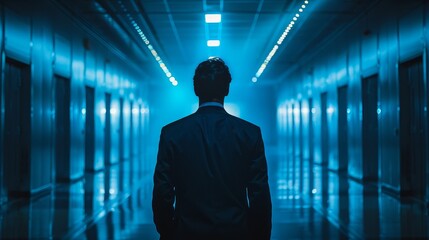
(338, 88)
(116, 204)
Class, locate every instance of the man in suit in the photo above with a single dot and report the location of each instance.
(211, 179)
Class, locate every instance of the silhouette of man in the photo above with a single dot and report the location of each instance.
(211, 179)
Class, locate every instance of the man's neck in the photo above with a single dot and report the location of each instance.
(211, 101)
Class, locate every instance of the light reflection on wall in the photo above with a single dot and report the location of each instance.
(305, 110)
(90, 74)
(281, 118)
(232, 109)
(100, 77)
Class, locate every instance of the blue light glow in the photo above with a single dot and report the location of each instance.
(279, 42)
(213, 18)
(213, 43)
(148, 45)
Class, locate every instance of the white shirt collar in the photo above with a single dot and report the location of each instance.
(212, 104)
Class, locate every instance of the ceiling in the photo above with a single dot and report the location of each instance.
(248, 31)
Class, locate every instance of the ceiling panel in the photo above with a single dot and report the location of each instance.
(248, 30)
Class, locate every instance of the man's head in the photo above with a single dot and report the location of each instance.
(211, 80)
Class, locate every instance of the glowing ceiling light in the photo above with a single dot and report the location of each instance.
(213, 43)
(278, 43)
(148, 45)
(213, 18)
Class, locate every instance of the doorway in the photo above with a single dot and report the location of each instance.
(294, 138)
(325, 131)
(17, 127)
(325, 147)
(412, 128)
(121, 129)
(89, 129)
(62, 128)
(301, 148)
(370, 128)
(131, 142)
(311, 145)
(121, 145)
(343, 145)
(107, 130)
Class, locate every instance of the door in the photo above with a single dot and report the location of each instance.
(121, 145)
(89, 129)
(325, 147)
(140, 141)
(131, 135)
(17, 130)
(121, 129)
(311, 145)
(294, 144)
(289, 140)
(342, 130)
(62, 128)
(301, 149)
(107, 130)
(370, 128)
(325, 131)
(412, 129)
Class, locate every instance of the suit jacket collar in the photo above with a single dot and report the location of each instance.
(216, 104)
(211, 109)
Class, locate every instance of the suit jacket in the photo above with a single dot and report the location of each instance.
(211, 179)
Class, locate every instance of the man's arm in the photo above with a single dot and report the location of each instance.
(260, 208)
(163, 191)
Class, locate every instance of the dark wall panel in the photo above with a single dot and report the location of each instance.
(389, 107)
(355, 108)
(57, 45)
(43, 102)
(17, 33)
(2, 192)
(376, 44)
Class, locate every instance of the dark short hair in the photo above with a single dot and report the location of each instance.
(212, 79)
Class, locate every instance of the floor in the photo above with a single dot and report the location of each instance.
(115, 204)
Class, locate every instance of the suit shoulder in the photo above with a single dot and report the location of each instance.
(245, 124)
(180, 123)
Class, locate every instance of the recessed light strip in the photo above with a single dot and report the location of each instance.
(213, 43)
(279, 41)
(213, 19)
(150, 47)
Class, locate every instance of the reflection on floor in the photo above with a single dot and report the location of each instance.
(115, 204)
